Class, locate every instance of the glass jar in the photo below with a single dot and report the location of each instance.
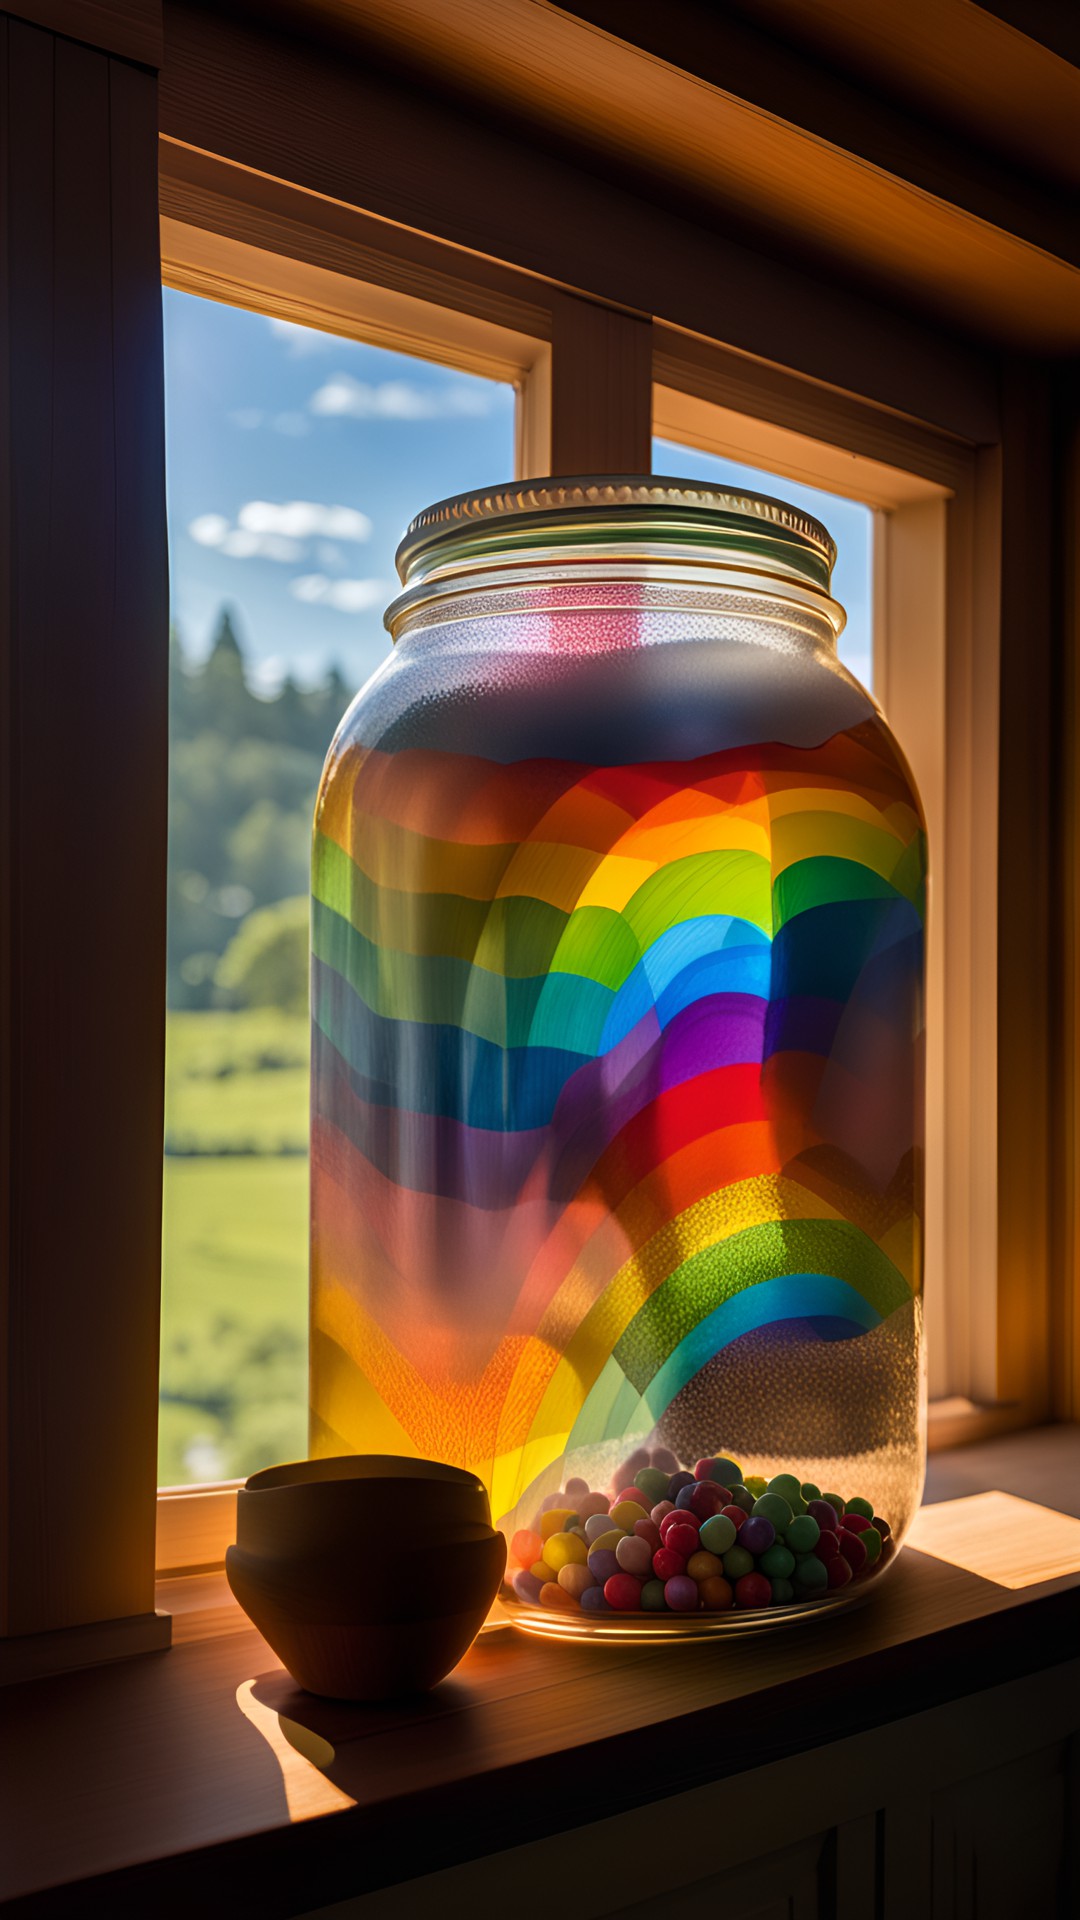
(617, 987)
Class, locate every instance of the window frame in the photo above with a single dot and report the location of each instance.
(600, 379)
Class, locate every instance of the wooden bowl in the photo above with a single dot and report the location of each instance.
(369, 1575)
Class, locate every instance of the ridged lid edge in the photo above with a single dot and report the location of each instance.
(577, 491)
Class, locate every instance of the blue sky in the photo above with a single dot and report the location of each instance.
(296, 459)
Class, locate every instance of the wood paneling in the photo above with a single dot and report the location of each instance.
(1027, 1033)
(1003, 84)
(229, 203)
(342, 129)
(696, 110)
(693, 368)
(1065, 1001)
(934, 92)
(130, 28)
(83, 623)
(601, 389)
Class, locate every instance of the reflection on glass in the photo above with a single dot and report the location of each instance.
(850, 524)
(295, 459)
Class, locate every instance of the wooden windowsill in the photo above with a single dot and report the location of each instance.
(149, 1785)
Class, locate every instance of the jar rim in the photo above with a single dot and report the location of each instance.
(611, 508)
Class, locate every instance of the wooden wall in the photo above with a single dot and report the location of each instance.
(83, 642)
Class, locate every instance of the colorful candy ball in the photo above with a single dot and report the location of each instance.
(825, 1514)
(853, 1550)
(778, 1561)
(758, 1534)
(634, 1556)
(681, 1593)
(593, 1600)
(737, 1562)
(753, 1590)
(575, 1580)
(603, 1564)
(773, 1506)
(623, 1592)
(718, 1534)
(810, 1575)
(803, 1534)
(668, 1539)
(653, 1483)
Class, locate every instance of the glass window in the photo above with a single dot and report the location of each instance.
(294, 461)
(850, 524)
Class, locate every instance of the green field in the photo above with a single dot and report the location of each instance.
(236, 1082)
(234, 1293)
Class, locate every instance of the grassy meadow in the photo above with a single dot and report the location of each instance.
(234, 1297)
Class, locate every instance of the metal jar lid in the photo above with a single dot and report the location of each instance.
(612, 522)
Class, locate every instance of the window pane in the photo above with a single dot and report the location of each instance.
(295, 460)
(850, 524)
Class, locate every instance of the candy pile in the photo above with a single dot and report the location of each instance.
(681, 1542)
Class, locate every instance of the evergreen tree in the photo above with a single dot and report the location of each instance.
(242, 777)
(226, 658)
(290, 713)
(228, 704)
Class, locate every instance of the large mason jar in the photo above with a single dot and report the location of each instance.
(617, 991)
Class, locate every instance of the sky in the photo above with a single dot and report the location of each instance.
(294, 462)
(296, 459)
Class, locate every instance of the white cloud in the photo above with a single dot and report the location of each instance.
(302, 341)
(344, 396)
(209, 529)
(241, 544)
(294, 424)
(245, 542)
(280, 530)
(347, 596)
(304, 520)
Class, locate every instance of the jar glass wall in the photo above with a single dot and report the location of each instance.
(617, 984)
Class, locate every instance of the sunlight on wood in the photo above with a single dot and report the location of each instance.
(302, 1756)
(1015, 1543)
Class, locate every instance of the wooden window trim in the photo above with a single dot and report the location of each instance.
(235, 235)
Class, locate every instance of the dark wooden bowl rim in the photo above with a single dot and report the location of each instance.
(384, 1467)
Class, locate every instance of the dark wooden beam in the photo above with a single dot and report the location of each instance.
(343, 128)
(601, 389)
(83, 642)
(131, 29)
